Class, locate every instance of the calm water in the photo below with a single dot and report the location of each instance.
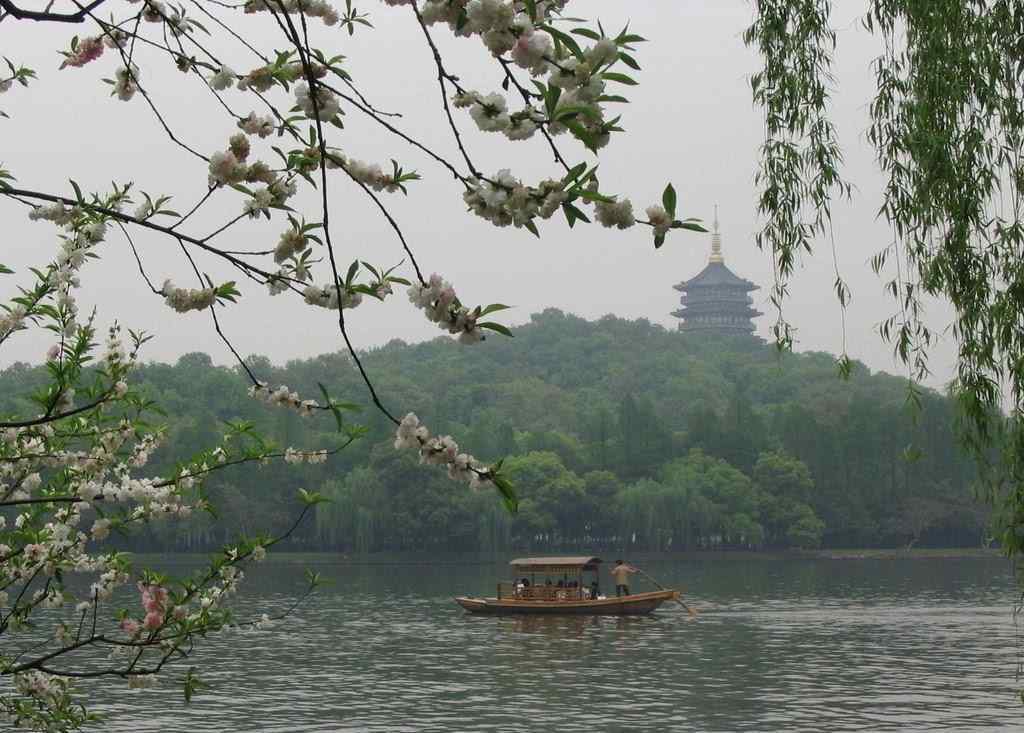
(782, 645)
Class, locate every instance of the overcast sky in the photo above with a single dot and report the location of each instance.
(691, 121)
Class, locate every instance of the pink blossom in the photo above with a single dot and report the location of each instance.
(154, 619)
(154, 598)
(88, 49)
(35, 552)
(130, 626)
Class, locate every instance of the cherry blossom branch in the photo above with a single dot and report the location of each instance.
(230, 30)
(129, 68)
(77, 17)
(155, 639)
(443, 75)
(528, 100)
(245, 267)
(138, 259)
(311, 80)
(398, 133)
(43, 419)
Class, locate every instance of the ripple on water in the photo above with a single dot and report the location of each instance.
(909, 648)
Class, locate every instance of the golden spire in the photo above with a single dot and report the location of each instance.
(716, 242)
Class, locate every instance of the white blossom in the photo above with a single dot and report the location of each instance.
(615, 213)
(187, 299)
(125, 84)
(292, 242)
(224, 78)
(490, 113)
(326, 296)
(440, 451)
(284, 397)
(439, 303)
(328, 104)
(253, 125)
(226, 168)
(659, 219)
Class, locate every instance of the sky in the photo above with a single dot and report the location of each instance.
(690, 121)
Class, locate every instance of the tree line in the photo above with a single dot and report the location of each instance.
(618, 434)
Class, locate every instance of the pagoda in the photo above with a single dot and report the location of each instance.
(716, 300)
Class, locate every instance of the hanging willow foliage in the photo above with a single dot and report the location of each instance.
(947, 125)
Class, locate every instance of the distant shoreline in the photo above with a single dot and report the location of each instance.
(447, 558)
(916, 553)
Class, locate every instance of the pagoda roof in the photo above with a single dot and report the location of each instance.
(716, 273)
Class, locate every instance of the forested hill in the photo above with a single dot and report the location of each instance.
(616, 432)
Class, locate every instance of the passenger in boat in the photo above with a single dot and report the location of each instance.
(595, 590)
(621, 573)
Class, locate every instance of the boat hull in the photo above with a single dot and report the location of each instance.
(637, 604)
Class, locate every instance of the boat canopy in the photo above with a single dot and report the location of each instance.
(555, 564)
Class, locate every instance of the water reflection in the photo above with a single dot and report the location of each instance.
(781, 644)
(563, 626)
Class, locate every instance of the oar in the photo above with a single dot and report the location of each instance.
(689, 610)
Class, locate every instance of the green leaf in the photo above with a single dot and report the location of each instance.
(496, 327)
(572, 213)
(668, 200)
(551, 97)
(621, 78)
(627, 38)
(689, 225)
(314, 579)
(227, 291)
(508, 493)
(595, 196)
(582, 134)
(574, 173)
(323, 391)
(312, 498)
(566, 39)
(629, 60)
(576, 109)
(352, 270)
(192, 684)
(912, 454)
(494, 308)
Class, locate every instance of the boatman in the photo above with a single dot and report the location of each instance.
(621, 573)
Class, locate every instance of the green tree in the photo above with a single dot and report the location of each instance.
(786, 488)
(552, 497)
(947, 123)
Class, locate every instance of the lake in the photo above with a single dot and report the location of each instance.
(781, 644)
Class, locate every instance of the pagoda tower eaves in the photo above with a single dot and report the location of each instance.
(716, 299)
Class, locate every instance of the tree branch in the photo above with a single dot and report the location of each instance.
(78, 16)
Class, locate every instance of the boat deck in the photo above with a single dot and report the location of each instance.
(634, 604)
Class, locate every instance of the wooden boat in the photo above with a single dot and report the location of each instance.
(567, 597)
